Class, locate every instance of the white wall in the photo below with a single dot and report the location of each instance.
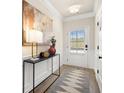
(43, 68)
(87, 22)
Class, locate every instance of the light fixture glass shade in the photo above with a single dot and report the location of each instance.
(74, 8)
(31, 36)
(35, 36)
(39, 37)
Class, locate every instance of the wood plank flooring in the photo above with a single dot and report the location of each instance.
(93, 83)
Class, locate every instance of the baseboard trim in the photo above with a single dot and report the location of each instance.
(99, 81)
(77, 66)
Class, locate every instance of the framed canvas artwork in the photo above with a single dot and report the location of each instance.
(33, 19)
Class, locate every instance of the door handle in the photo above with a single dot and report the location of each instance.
(86, 47)
(100, 57)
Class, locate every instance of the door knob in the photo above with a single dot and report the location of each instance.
(86, 49)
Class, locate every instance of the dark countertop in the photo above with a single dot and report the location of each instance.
(38, 59)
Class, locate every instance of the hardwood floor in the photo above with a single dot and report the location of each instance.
(93, 86)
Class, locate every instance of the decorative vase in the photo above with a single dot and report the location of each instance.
(52, 50)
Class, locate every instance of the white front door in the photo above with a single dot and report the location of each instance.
(78, 47)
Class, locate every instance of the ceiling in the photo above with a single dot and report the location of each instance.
(63, 5)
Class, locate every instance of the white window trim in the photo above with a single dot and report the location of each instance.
(76, 51)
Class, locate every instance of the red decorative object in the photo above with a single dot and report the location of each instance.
(52, 50)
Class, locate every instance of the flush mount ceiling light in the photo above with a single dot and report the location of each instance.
(74, 9)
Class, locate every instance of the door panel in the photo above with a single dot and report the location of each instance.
(78, 51)
(98, 51)
(78, 60)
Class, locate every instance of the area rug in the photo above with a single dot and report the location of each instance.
(71, 81)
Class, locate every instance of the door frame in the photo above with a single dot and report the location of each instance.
(86, 29)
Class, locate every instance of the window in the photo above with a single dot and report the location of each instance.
(77, 41)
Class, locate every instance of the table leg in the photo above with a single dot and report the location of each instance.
(23, 77)
(33, 77)
(52, 65)
(59, 64)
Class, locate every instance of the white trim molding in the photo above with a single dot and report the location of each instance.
(99, 81)
(97, 5)
(81, 16)
(52, 9)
